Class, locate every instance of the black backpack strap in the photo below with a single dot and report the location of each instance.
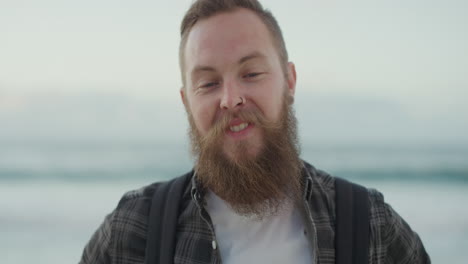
(352, 223)
(162, 221)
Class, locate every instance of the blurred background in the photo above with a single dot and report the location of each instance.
(89, 109)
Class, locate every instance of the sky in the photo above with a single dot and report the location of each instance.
(367, 70)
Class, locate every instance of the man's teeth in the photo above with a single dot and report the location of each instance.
(238, 127)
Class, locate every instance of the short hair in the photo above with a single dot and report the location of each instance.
(203, 9)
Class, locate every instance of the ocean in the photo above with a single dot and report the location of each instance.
(53, 195)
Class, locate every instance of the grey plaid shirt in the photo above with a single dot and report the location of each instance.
(121, 238)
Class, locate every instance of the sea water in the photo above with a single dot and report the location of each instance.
(53, 196)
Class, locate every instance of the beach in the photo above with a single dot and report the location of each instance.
(48, 218)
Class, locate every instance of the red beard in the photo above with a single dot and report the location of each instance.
(256, 186)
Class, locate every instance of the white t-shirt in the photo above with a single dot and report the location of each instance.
(277, 239)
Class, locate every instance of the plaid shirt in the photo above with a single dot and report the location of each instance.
(121, 238)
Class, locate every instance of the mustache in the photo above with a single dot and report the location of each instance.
(251, 116)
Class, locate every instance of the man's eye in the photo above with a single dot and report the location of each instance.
(252, 74)
(209, 85)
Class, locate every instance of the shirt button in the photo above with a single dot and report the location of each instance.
(213, 244)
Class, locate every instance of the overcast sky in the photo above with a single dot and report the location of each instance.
(409, 55)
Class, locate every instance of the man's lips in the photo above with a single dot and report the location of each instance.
(236, 121)
(237, 125)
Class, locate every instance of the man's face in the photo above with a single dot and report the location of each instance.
(232, 65)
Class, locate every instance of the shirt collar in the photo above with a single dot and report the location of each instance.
(307, 173)
(198, 191)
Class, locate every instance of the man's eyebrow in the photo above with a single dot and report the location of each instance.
(253, 55)
(201, 68)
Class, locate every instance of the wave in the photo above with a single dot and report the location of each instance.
(446, 175)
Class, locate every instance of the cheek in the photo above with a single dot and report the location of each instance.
(270, 102)
(203, 116)
(273, 109)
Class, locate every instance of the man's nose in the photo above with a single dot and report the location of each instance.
(232, 97)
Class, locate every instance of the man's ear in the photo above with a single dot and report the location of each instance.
(183, 97)
(291, 75)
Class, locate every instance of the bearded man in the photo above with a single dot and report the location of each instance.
(250, 198)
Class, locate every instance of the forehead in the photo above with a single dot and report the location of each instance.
(226, 37)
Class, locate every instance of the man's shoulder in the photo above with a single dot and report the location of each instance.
(125, 227)
(325, 182)
(382, 216)
(138, 201)
(132, 211)
(319, 177)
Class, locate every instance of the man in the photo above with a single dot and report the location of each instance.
(250, 199)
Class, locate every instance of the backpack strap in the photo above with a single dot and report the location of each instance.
(352, 223)
(162, 221)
